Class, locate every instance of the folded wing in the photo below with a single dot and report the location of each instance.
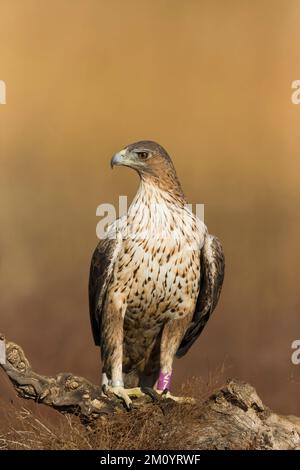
(211, 280)
(101, 271)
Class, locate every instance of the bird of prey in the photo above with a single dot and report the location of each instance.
(155, 279)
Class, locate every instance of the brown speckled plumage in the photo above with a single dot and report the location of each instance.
(152, 287)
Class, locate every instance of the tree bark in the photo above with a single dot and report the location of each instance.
(234, 417)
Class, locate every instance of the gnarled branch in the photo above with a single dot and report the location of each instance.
(65, 392)
(234, 417)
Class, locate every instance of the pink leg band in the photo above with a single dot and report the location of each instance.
(164, 381)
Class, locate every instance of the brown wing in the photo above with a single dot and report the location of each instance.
(101, 271)
(211, 280)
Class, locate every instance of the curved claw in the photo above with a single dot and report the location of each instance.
(123, 393)
(152, 393)
(164, 394)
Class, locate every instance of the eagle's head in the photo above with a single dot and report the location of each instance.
(144, 156)
(152, 162)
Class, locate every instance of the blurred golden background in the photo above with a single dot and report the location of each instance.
(210, 81)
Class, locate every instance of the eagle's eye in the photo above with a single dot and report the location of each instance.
(143, 155)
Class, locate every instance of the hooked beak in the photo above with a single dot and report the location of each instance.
(117, 159)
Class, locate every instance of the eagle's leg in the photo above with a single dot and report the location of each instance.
(172, 335)
(112, 351)
(112, 341)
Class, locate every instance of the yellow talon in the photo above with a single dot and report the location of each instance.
(167, 394)
(123, 393)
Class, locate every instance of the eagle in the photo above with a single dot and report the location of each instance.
(155, 279)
